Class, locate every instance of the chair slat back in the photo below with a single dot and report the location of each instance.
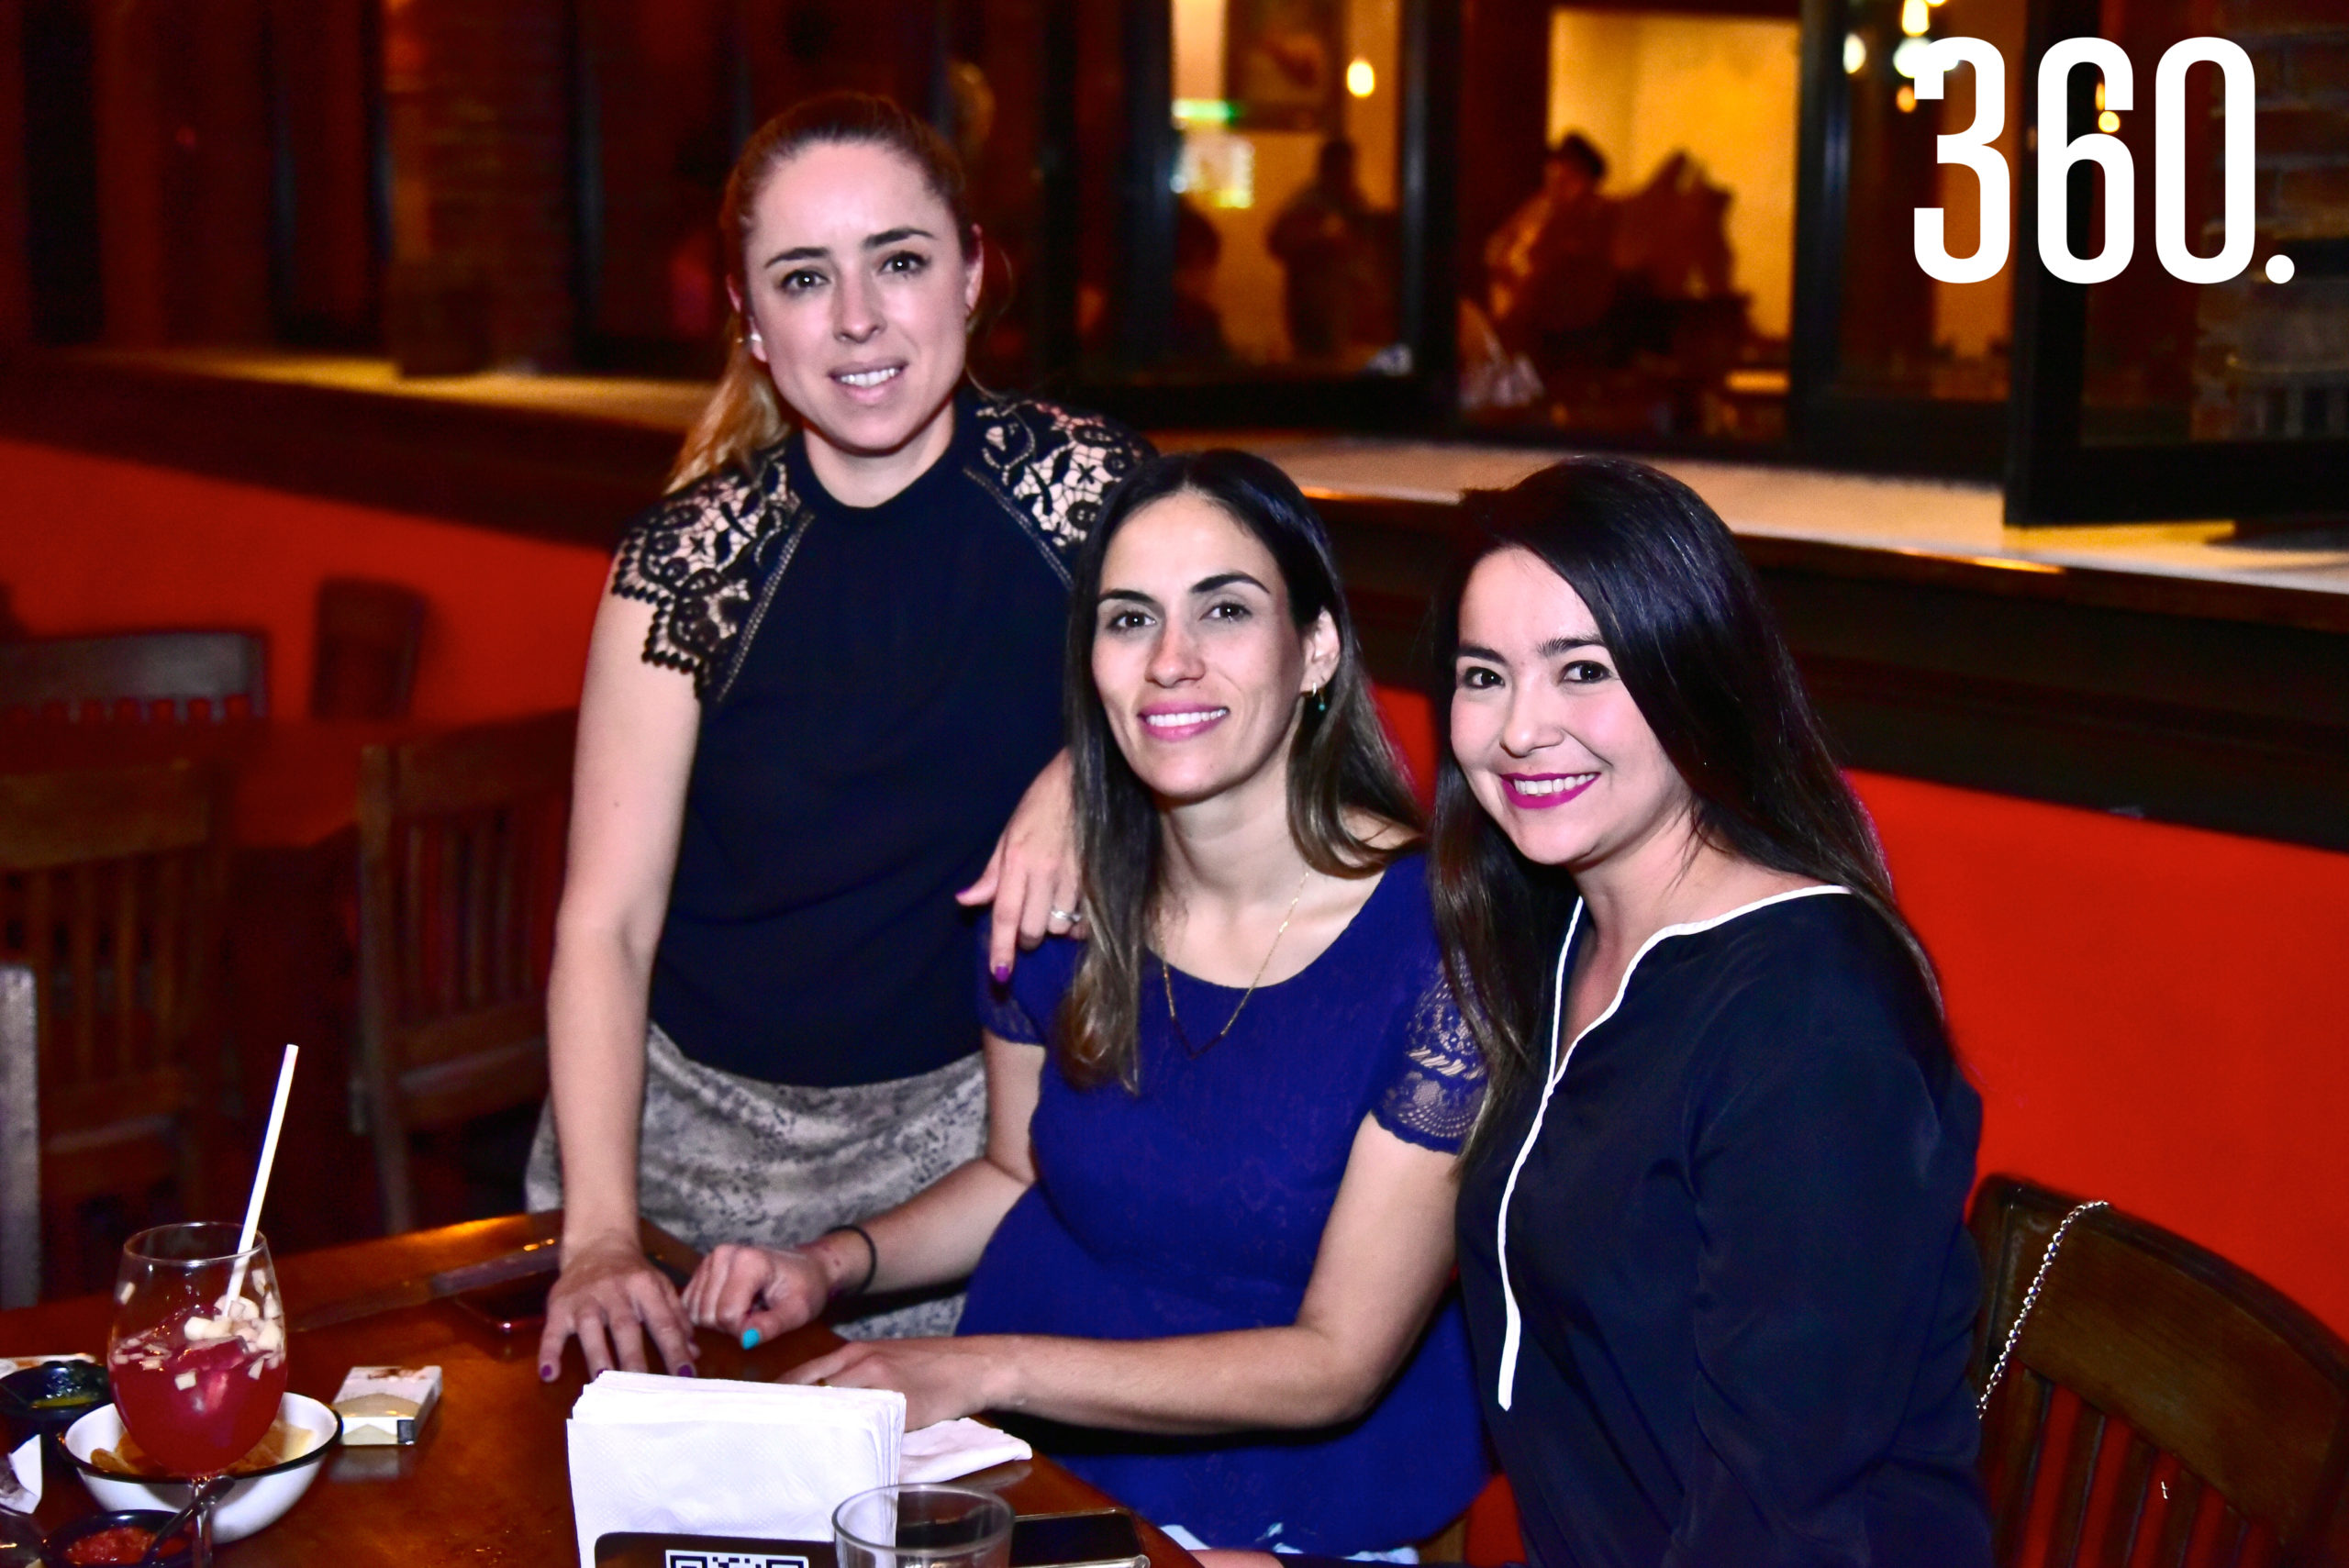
(19, 1138)
(226, 671)
(111, 885)
(461, 840)
(2162, 1405)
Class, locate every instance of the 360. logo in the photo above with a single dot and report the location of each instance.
(2059, 152)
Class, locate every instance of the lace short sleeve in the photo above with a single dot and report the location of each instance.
(1439, 1083)
(694, 559)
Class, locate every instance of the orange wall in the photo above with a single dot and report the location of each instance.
(2154, 1014)
(91, 544)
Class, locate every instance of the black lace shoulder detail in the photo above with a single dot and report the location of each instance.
(694, 559)
(1434, 1098)
(1053, 466)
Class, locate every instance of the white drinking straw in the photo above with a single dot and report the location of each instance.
(261, 1176)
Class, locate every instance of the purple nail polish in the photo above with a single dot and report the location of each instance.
(686, 1370)
(545, 1373)
(1002, 973)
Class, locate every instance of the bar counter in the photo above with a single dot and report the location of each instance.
(2192, 672)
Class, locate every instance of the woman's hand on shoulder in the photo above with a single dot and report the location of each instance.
(941, 1378)
(1032, 879)
(756, 1293)
(609, 1296)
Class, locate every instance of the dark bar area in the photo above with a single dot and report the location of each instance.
(1083, 750)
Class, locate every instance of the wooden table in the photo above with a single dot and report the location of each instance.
(488, 1485)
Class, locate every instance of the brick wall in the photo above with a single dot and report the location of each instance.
(2273, 359)
(478, 104)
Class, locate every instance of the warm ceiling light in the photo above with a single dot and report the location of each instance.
(2100, 97)
(2108, 122)
(1855, 53)
(1914, 18)
(1905, 98)
(1909, 57)
(1361, 80)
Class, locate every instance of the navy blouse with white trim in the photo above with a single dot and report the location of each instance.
(1737, 1244)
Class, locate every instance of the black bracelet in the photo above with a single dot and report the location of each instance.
(872, 1255)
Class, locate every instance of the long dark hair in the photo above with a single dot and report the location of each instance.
(1700, 653)
(1339, 762)
(743, 414)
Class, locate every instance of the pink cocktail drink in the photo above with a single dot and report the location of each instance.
(199, 1389)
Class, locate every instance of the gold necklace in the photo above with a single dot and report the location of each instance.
(1167, 975)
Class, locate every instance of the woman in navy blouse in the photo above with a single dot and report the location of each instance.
(1212, 1221)
(1711, 1231)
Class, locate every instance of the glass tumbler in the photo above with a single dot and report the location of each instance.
(923, 1526)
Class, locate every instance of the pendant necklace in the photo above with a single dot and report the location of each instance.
(1166, 973)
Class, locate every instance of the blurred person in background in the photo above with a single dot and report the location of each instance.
(826, 671)
(1550, 268)
(1196, 333)
(1213, 1217)
(1332, 249)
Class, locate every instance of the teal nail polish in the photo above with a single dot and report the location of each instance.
(751, 1338)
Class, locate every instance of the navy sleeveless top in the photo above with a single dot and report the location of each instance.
(878, 685)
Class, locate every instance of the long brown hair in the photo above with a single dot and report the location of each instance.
(744, 414)
(1697, 648)
(1339, 762)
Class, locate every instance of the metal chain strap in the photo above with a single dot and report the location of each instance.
(2029, 1300)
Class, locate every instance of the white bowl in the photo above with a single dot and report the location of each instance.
(254, 1503)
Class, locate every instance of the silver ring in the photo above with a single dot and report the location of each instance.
(1071, 916)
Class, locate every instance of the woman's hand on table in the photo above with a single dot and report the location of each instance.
(941, 1378)
(609, 1296)
(1032, 879)
(756, 1293)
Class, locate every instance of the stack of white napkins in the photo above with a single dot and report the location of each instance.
(705, 1456)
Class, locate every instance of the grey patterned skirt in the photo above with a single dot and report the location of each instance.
(729, 1159)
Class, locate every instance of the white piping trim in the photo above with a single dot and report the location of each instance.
(1512, 1321)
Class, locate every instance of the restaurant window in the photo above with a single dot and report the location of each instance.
(1285, 244)
(1263, 168)
(657, 137)
(1893, 368)
(2152, 396)
(1636, 282)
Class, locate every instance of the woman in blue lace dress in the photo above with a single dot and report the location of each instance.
(1210, 1228)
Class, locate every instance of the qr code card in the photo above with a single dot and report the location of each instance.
(634, 1549)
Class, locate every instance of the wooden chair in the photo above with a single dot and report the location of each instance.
(19, 1139)
(368, 634)
(461, 847)
(225, 670)
(111, 886)
(2162, 1407)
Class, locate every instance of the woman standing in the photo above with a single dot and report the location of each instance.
(1712, 1236)
(826, 671)
(1213, 1218)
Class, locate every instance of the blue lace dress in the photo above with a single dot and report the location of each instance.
(1198, 1204)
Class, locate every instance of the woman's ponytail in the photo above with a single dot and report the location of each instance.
(743, 416)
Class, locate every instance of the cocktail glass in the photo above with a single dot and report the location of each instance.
(197, 1354)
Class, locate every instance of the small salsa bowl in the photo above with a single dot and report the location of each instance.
(254, 1503)
(61, 1540)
